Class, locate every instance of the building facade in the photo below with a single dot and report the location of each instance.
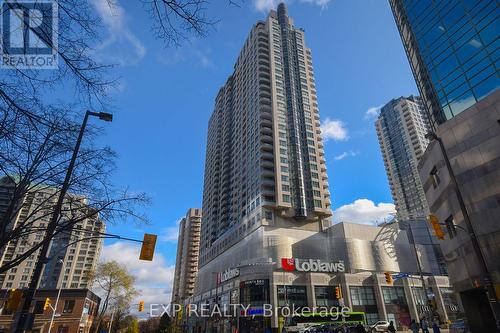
(265, 171)
(452, 47)
(76, 309)
(365, 251)
(471, 140)
(70, 260)
(401, 129)
(188, 246)
(452, 50)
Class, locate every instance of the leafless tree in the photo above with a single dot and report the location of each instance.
(33, 160)
(40, 112)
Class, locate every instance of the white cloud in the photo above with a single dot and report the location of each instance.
(154, 278)
(266, 5)
(373, 112)
(334, 129)
(171, 234)
(198, 56)
(346, 154)
(364, 211)
(117, 46)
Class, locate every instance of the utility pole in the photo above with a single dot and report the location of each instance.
(26, 318)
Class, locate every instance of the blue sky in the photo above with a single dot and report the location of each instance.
(165, 97)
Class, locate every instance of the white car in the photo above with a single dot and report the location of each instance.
(379, 326)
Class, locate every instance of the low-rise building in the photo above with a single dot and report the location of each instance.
(75, 311)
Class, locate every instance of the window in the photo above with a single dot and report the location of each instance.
(362, 296)
(394, 295)
(286, 198)
(39, 307)
(436, 180)
(69, 304)
(371, 318)
(325, 296)
(63, 329)
(292, 295)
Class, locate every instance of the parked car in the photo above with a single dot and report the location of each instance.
(379, 326)
(459, 326)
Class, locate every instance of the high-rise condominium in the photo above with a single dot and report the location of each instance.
(186, 265)
(452, 47)
(265, 183)
(401, 128)
(265, 164)
(69, 260)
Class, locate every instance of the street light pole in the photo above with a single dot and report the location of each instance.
(488, 282)
(26, 318)
(57, 301)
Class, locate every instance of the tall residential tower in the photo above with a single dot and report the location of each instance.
(186, 265)
(265, 163)
(401, 128)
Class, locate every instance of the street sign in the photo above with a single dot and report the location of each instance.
(148, 247)
(400, 276)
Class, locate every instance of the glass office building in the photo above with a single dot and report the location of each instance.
(453, 50)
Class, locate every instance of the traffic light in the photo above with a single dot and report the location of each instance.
(13, 300)
(148, 247)
(141, 306)
(438, 231)
(338, 292)
(388, 277)
(46, 304)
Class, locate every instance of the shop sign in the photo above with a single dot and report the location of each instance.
(311, 265)
(228, 275)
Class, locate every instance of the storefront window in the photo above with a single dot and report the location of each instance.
(325, 296)
(419, 295)
(371, 318)
(254, 292)
(451, 304)
(288, 295)
(362, 296)
(394, 295)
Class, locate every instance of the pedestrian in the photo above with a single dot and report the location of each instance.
(425, 325)
(435, 327)
(391, 328)
(414, 326)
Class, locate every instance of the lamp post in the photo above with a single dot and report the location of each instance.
(490, 291)
(26, 318)
(57, 300)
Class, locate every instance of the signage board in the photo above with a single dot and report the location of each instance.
(312, 265)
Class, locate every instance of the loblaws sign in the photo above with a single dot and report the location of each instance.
(228, 275)
(311, 265)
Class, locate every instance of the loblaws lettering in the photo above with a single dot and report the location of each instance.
(312, 265)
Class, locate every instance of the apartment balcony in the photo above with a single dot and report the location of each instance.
(267, 156)
(266, 147)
